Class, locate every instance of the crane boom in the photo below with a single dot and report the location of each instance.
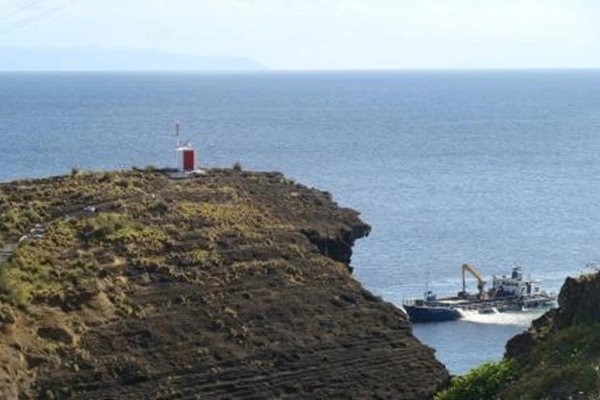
(480, 282)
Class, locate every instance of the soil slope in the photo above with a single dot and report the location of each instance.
(232, 284)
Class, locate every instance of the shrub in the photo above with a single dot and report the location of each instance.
(158, 207)
(13, 285)
(237, 166)
(21, 295)
(483, 382)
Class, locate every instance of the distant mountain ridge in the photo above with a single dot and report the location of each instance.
(95, 58)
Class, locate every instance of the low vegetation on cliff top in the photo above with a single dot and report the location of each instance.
(65, 232)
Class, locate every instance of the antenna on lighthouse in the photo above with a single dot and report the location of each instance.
(185, 155)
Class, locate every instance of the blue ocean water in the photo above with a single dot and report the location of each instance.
(489, 168)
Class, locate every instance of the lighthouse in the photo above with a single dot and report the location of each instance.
(185, 154)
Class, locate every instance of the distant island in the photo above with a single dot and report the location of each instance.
(96, 58)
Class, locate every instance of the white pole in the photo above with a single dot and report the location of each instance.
(178, 144)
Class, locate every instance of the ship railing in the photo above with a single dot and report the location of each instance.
(420, 302)
(480, 306)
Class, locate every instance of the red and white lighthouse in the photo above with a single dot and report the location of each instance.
(186, 154)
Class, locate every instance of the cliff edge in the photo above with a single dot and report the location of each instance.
(231, 284)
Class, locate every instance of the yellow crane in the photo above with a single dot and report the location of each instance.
(480, 282)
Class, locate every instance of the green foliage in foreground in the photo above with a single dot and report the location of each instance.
(565, 365)
(484, 382)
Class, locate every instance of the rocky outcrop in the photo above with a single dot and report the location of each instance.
(226, 285)
(578, 304)
(559, 353)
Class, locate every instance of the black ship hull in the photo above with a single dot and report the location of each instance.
(451, 309)
(424, 313)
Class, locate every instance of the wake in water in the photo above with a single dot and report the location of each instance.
(517, 318)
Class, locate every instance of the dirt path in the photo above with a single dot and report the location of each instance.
(7, 252)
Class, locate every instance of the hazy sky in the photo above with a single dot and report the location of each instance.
(324, 34)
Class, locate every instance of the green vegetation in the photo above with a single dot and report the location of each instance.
(58, 253)
(142, 221)
(234, 215)
(37, 271)
(482, 383)
(565, 365)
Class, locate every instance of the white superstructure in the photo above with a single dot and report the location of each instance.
(515, 285)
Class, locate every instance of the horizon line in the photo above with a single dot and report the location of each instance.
(310, 70)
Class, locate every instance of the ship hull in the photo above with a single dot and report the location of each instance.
(418, 314)
(449, 309)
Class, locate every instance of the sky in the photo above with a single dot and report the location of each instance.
(323, 34)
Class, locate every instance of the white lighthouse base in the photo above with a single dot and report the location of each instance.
(186, 174)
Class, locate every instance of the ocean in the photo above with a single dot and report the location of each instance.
(491, 168)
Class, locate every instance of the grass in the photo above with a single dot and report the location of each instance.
(225, 215)
(143, 220)
(137, 227)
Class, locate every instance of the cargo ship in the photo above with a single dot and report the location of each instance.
(514, 293)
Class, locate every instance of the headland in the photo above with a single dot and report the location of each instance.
(229, 284)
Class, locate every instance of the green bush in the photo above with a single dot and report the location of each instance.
(158, 207)
(13, 285)
(484, 382)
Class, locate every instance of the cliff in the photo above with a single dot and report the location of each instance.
(231, 284)
(559, 356)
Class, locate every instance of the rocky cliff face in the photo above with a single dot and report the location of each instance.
(230, 284)
(560, 353)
